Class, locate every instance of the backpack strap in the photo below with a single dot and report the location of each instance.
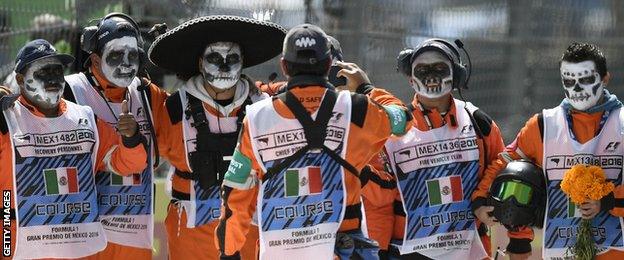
(146, 97)
(540, 124)
(240, 114)
(315, 131)
(195, 109)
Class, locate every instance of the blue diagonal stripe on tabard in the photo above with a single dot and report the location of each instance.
(416, 195)
(275, 188)
(30, 213)
(617, 240)
(549, 233)
(31, 172)
(558, 201)
(31, 182)
(205, 206)
(102, 178)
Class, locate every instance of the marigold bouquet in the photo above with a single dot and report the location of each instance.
(582, 183)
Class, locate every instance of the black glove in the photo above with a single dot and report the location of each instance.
(231, 257)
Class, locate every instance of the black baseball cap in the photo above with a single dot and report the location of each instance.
(114, 28)
(306, 44)
(36, 50)
(336, 50)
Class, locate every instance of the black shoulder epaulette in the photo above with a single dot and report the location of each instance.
(4, 128)
(484, 122)
(68, 94)
(359, 104)
(174, 107)
(540, 124)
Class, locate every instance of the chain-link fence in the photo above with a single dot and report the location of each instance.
(514, 45)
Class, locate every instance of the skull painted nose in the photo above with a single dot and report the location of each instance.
(224, 68)
(577, 88)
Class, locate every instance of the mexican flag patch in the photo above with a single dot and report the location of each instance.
(61, 181)
(130, 180)
(445, 190)
(573, 210)
(303, 181)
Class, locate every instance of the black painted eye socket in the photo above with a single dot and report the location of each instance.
(232, 59)
(568, 83)
(214, 58)
(49, 72)
(439, 69)
(587, 80)
(133, 56)
(116, 55)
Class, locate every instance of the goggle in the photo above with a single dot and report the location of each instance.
(522, 192)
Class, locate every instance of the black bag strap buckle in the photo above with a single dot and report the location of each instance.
(195, 110)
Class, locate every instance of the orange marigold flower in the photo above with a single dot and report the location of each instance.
(582, 182)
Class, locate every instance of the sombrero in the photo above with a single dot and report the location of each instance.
(178, 49)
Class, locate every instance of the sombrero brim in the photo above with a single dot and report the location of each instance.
(179, 48)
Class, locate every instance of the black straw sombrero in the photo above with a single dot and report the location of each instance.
(178, 49)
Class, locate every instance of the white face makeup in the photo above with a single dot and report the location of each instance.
(582, 84)
(120, 60)
(44, 82)
(221, 64)
(432, 76)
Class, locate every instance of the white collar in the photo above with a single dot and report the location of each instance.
(195, 87)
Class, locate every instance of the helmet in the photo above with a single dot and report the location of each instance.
(460, 73)
(518, 195)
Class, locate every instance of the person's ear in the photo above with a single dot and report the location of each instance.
(283, 67)
(199, 64)
(19, 78)
(606, 78)
(96, 61)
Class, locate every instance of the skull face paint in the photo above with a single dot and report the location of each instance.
(432, 76)
(44, 83)
(120, 60)
(581, 83)
(221, 64)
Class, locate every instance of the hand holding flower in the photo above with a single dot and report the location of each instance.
(590, 209)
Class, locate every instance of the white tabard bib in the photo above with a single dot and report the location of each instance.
(561, 152)
(54, 187)
(204, 206)
(125, 201)
(437, 171)
(300, 208)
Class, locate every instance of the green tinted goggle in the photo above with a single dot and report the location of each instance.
(518, 190)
